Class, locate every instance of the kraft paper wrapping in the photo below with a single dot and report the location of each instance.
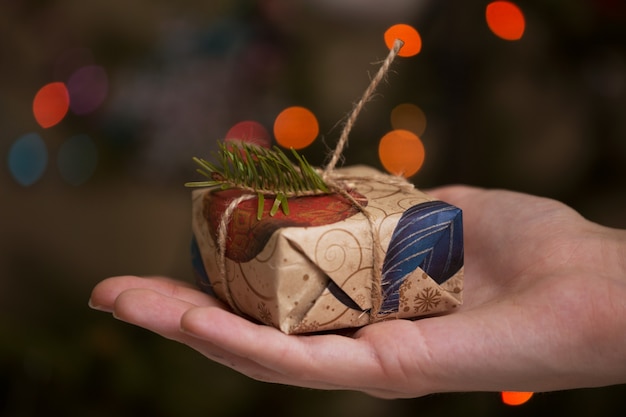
(302, 276)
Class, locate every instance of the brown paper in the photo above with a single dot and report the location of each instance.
(286, 285)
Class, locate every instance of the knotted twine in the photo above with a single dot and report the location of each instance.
(336, 184)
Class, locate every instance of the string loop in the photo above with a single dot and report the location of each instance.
(336, 183)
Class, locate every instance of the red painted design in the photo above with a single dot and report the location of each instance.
(247, 236)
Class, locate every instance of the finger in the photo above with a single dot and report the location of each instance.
(320, 361)
(105, 293)
(262, 352)
(162, 315)
(152, 310)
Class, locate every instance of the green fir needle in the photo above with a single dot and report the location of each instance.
(266, 172)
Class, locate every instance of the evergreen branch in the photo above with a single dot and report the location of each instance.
(266, 172)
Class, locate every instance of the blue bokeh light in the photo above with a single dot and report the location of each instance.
(28, 159)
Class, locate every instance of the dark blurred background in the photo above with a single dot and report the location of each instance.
(545, 115)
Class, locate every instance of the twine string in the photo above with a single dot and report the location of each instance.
(328, 175)
(222, 235)
(336, 184)
(367, 96)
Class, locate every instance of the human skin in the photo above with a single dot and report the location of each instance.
(545, 309)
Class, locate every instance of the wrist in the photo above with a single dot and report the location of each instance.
(609, 312)
(613, 250)
(621, 255)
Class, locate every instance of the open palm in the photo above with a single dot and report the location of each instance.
(545, 309)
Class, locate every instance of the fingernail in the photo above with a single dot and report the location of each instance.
(98, 307)
(184, 325)
(186, 331)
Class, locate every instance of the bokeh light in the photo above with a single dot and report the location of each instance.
(505, 20)
(515, 397)
(77, 159)
(51, 104)
(295, 127)
(406, 33)
(408, 116)
(88, 87)
(27, 159)
(250, 132)
(401, 152)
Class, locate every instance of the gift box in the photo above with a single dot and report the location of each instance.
(380, 250)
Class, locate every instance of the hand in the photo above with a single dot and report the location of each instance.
(545, 309)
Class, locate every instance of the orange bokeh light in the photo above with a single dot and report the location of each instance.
(505, 20)
(295, 127)
(515, 397)
(407, 34)
(409, 117)
(401, 152)
(51, 104)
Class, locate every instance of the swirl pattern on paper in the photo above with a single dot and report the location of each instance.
(335, 248)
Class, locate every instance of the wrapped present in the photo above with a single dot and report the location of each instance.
(380, 250)
(306, 250)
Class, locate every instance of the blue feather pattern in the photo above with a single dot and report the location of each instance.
(428, 236)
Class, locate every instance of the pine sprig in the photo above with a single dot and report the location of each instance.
(266, 172)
